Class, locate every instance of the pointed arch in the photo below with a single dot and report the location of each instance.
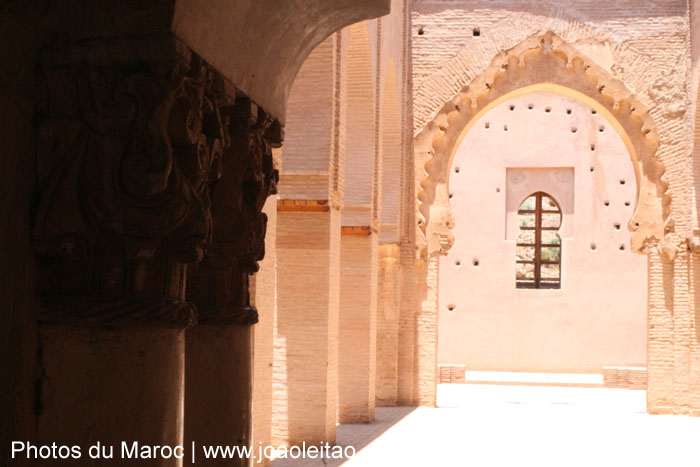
(543, 62)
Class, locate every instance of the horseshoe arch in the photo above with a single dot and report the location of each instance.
(544, 62)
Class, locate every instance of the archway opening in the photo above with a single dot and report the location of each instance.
(541, 182)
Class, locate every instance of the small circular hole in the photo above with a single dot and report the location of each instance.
(592, 147)
(486, 125)
(475, 262)
(636, 224)
(574, 129)
(531, 106)
(617, 226)
(458, 263)
(451, 195)
(456, 170)
(593, 111)
(505, 127)
(592, 169)
(601, 129)
(606, 202)
(498, 190)
(451, 307)
(547, 109)
(622, 247)
(421, 31)
(593, 246)
(627, 203)
(622, 182)
(512, 107)
(568, 111)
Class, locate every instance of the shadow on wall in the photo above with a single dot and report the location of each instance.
(357, 435)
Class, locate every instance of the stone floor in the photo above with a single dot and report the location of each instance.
(514, 426)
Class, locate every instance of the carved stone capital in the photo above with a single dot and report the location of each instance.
(129, 145)
(219, 286)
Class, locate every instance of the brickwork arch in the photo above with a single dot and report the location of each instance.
(543, 62)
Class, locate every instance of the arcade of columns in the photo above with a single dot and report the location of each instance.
(151, 162)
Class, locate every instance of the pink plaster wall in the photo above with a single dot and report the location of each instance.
(598, 317)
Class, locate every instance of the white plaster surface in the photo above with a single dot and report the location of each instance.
(598, 317)
(500, 426)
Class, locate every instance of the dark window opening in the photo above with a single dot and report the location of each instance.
(538, 247)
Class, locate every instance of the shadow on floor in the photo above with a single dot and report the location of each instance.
(357, 435)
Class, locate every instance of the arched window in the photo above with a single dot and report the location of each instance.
(538, 247)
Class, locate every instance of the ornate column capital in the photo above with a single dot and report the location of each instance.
(130, 143)
(219, 286)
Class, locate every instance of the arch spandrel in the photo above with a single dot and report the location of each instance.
(544, 62)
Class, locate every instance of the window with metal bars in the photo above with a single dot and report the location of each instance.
(538, 247)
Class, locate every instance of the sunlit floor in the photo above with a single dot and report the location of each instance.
(513, 426)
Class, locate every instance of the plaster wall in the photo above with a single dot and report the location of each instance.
(542, 142)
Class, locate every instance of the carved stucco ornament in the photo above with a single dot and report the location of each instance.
(543, 62)
(220, 284)
(129, 147)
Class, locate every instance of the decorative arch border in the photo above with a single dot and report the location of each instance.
(543, 62)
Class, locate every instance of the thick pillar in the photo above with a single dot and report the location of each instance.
(682, 329)
(129, 143)
(660, 339)
(695, 335)
(357, 325)
(263, 296)
(305, 381)
(407, 226)
(306, 341)
(425, 390)
(218, 410)
(129, 381)
(359, 244)
(388, 326)
(219, 350)
(407, 324)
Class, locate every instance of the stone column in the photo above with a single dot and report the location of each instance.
(219, 373)
(129, 143)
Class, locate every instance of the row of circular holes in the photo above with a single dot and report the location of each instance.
(573, 130)
(622, 181)
(601, 129)
(475, 261)
(498, 190)
(617, 226)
